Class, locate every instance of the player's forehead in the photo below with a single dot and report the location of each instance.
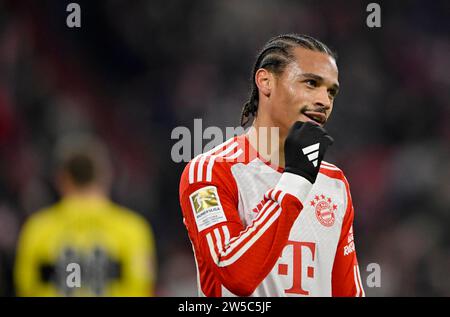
(312, 62)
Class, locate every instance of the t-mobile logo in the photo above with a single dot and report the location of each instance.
(312, 152)
(297, 266)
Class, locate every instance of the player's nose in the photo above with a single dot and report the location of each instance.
(322, 99)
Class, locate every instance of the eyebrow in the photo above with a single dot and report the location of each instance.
(320, 79)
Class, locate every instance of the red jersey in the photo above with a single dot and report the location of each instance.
(256, 231)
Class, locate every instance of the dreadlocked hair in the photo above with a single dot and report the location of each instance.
(274, 56)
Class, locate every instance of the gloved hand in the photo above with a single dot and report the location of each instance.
(304, 149)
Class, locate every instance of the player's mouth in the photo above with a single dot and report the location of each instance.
(315, 116)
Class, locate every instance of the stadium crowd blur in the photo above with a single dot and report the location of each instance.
(135, 70)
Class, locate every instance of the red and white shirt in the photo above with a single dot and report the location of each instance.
(256, 231)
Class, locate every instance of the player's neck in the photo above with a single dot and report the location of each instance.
(93, 191)
(266, 139)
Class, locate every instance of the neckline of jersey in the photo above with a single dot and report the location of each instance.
(251, 149)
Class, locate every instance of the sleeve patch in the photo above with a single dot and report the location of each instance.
(207, 208)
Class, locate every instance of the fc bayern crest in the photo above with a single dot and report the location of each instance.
(324, 209)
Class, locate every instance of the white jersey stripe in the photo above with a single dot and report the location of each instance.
(212, 159)
(328, 164)
(273, 194)
(241, 251)
(218, 239)
(235, 155)
(356, 281)
(211, 247)
(236, 244)
(226, 151)
(260, 214)
(219, 147)
(359, 280)
(192, 169)
(329, 168)
(268, 193)
(280, 199)
(194, 160)
(200, 168)
(226, 234)
(205, 156)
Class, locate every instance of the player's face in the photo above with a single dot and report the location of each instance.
(306, 89)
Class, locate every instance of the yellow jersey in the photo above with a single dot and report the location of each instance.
(112, 247)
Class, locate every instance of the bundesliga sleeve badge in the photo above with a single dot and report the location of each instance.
(207, 208)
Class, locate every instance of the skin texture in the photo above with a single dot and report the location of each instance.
(304, 91)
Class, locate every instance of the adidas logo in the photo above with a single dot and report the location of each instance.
(312, 152)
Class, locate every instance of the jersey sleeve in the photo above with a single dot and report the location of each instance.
(346, 278)
(237, 256)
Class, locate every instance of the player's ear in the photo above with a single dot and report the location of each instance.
(264, 81)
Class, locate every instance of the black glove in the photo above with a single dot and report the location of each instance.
(304, 149)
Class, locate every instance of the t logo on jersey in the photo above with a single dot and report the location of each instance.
(312, 152)
(299, 252)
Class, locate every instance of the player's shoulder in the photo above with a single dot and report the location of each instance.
(214, 164)
(125, 214)
(41, 219)
(128, 220)
(332, 171)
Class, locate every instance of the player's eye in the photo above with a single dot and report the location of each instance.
(332, 93)
(311, 82)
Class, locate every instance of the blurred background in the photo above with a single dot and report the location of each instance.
(135, 70)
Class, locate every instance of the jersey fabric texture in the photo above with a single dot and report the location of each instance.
(112, 245)
(259, 231)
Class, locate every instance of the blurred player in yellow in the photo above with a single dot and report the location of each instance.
(113, 246)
